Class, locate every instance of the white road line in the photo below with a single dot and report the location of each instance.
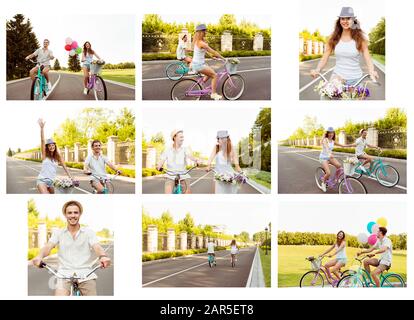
(18, 80)
(314, 81)
(202, 177)
(124, 85)
(317, 160)
(53, 88)
(241, 71)
(249, 280)
(180, 272)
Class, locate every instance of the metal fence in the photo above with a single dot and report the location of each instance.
(392, 139)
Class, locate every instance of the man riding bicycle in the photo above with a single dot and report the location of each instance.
(76, 247)
(176, 157)
(211, 249)
(95, 165)
(43, 55)
(360, 145)
(384, 247)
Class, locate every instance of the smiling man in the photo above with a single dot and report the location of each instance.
(77, 249)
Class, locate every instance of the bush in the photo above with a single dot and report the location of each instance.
(264, 176)
(149, 172)
(236, 53)
(130, 173)
(32, 253)
(303, 57)
(174, 254)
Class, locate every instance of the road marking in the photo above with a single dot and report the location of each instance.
(124, 85)
(314, 80)
(202, 177)
(317, 160)
(249, 280)
(180, 272)
(18, 80)
(53, 88)
(242, 71)
(255, 188)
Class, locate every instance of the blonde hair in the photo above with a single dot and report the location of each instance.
(199, 35)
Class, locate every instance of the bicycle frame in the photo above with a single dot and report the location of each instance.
(177, 181)
(103, 181)
(323, 270)
(377, 163)
(42, 79)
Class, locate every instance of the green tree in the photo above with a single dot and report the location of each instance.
(74, 63)
(395, 117)
(158, 138)
(187, 224)
(32, 214)
(377, 38)
(227, 21)
(152, 23)
(68, 134)
(56, 65)
(10, 153)
(125, 123)
(21, 41)
(244, 236)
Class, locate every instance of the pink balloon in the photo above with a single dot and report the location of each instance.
(74, 45)
(372, 239)
(375, 229)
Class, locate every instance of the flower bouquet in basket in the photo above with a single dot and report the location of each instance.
(65, 185)
(337, 90)
(350, 163)
(237, 178)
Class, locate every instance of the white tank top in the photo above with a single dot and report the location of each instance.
(48, 170)
(326, 151)
(223, 165)
(341, 254)
(348, 65)
(199, 55)
(233, 250)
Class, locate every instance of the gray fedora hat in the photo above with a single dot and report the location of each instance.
(201, 27)
(222, 134)
(347, 12)
(50, 141)
(330, 129)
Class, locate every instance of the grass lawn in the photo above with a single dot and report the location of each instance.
(126, 76)
(292, 263)
(266, 265)
(263, 178)
(380, 58)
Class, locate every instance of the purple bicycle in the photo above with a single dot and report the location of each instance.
(345, 183)
(95, 82)
(233, 84)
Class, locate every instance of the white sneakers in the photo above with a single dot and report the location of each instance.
(364, 169)
(216, 96)
(191, 72)
(85, 91)
(323, 186)
(49, 86)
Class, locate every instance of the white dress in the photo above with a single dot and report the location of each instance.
(223, 166)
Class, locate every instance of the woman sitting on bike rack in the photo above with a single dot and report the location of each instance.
(199, 64)
(176, 157)
(225, 156)
(348, 42)
(335, 265)
(182, 50)
(87, 58)
(360, 145)
(43, 56)
(51, 159)
(326, 157)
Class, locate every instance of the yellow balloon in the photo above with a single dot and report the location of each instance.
(382, 222)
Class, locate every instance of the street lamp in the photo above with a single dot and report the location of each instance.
(266, 229)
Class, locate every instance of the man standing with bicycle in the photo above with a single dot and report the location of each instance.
(43, 55)
(95, 165)
(384, 247)
(76, 245)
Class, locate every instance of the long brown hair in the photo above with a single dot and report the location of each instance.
(357, 34)
(87, 50)
(233, 242)
(53, 155)
(327, 133)
(229, 148)
(199, 35)
(339, 242)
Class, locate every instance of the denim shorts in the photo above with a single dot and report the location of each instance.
(198, 66)
(47, 182)
(86, 65)
(341, 260)
(351, 82)
(323, 159)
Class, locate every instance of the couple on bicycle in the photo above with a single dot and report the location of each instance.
(44, 56)
(326, 157)
(198, 63)
(234, 250)
(349, 44)
(78, 248)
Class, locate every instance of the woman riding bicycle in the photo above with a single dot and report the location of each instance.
(199, 64)
(225, 156)
(333, 266)
(87, 58)
(234, 250)
(51, 158)
(326, 156)
(176, 157)
(348, 42)
(360, 145)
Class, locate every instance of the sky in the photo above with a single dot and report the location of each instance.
(324, 115)
(236, 216)
(351, 217)
(323, 15)
(200, 125)
(112, 37)
(263, 21)
(27, 134)
(97, 213)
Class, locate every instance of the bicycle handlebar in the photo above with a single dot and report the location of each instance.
(43, 265)
(364, 76)
(103, 178)
(175, 173)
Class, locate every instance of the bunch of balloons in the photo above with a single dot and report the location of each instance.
(372, 228)
(72, 47)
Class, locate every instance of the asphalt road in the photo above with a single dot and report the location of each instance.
(200, 182)
(38, 279)
(70, 87)
(377, 92)
(22, 175)
(255, 71)
(297, 170)
(194, 271)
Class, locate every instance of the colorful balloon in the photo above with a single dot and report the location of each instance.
(68, 40)
(382, 222)
(78, 50)
(68, 47)
(74, 45)
(72, 52)
(372, 239)
(362, 238)
(370, 225)
(375, 229)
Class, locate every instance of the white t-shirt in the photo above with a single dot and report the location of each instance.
(210, 247)
(181, 50)
(176, 159)
(386, 257)
(97, 165)
(43, 56)
(361, 144)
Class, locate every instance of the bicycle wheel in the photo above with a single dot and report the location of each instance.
(183, 186)
(387, 176)
(351, 185)
(36, 91)
(99, 89)
(319, 173)
(233, 87)
(312, 279)
(393, 281)
(175, 71)
(350, 281)
(110, 187)
(183, 89)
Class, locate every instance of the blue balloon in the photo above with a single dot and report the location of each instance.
(369, 226)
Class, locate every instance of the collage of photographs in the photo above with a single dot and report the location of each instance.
(107, 121)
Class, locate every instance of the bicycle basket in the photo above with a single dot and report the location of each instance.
(231, 67)
(349, 169)
(96, 68)
(316, 264)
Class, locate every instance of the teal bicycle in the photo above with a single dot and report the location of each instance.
(39, 89)
(212, 260)
(385, 174)
(362, 279)
(176, 70)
